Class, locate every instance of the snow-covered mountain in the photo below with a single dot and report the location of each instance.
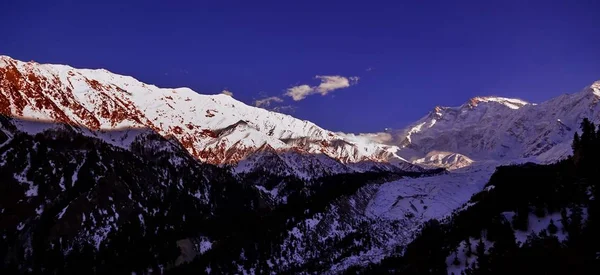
(62, 191)
(446, 160)
(495, 128)
(214, 128)
(88, 156)
(221, 130)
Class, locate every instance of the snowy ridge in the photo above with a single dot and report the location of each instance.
(214, 128)
(596, 88)
(511, 103)
(221, 130)
(446, 160)
(496, 128)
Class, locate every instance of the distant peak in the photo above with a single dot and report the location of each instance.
(595, 87)
(438, 111)
(512, 103)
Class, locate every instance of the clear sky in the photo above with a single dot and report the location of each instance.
(409, 55)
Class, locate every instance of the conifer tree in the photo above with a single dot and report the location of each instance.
(564, 220)
(575, 223)
(552, 229)
(482, 258)
(468, 251)
(480, 249)
(456, 260)
(576, 142)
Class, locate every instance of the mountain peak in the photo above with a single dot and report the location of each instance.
(595, 87)
(512, 103)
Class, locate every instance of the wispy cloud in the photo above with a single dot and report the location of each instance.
(266, 102)
(381, 137)
(227, 92)
(329, 83)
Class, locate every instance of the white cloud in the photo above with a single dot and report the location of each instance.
(300, 92)
(266, 102)
(381, 137)
(329, 83)
(226, 92)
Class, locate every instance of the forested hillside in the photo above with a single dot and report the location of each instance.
(74, 204)
(530, 219)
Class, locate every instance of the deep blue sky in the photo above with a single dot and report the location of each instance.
(422, 53)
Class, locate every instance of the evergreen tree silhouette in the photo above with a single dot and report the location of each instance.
(552, 229)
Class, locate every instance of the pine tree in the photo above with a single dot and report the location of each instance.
(564, 220)
(468, 247)
(575, 223)
(482, 258)
(585, 155)
(521, 218)
(540, 210)
(552, 227)
(456, 261)
(480, 249)
(588, 131)
(576, 143)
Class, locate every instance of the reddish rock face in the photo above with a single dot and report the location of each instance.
(208, 133)
(22, 88)
(78, 97)
(19, 90)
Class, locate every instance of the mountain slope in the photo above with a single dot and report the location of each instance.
(529, 219)
(493, 128)
(66, 198)
(214, 128)
(296, 201)
(72, 203)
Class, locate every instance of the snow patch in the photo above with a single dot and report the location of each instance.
(60, 215)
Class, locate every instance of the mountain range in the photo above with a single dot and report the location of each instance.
(215, 129)
(89, 156)
(218, 129)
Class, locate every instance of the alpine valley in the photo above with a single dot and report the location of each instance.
(103, 173)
